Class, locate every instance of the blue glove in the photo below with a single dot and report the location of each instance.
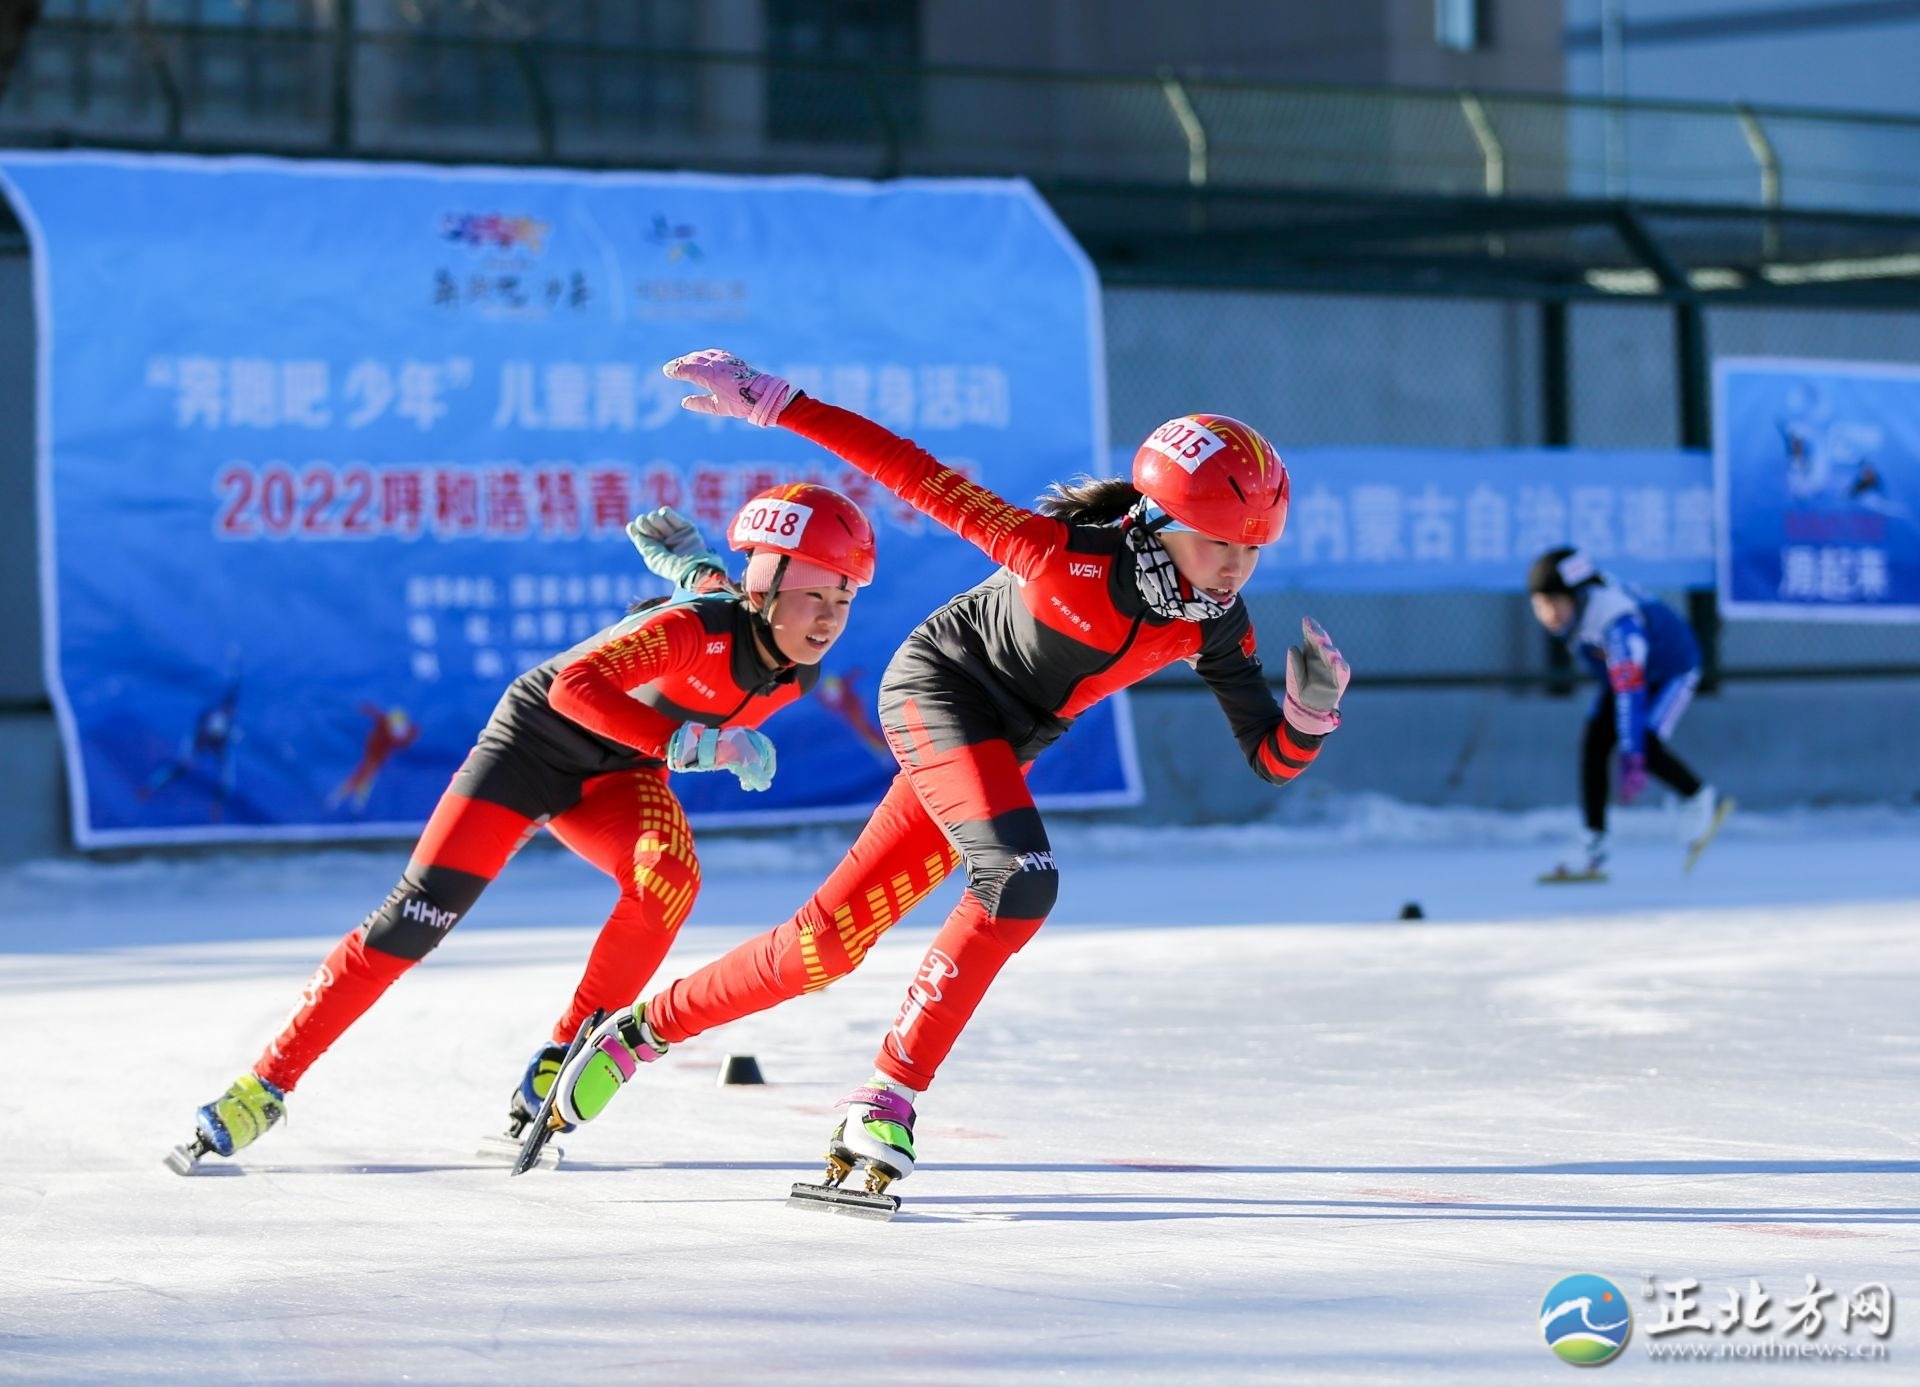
(745, 752)
(672, 548)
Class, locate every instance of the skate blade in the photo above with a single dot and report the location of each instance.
(1721, 812)
(853, 1203)
(540, 1131)
(1559, 878)
(184, 1159)
(501, 1147)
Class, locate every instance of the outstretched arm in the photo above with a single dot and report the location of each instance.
(1008, 534)
(672, 548)
(1279, 741)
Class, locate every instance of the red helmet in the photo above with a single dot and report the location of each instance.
(1215, 475)
(815, 527)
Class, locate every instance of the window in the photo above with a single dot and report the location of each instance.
(829, 104)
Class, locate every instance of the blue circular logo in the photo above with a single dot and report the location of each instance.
(1585, 1319)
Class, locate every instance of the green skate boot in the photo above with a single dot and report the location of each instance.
(237, 1118)
(876, 1141)
(609, 1057)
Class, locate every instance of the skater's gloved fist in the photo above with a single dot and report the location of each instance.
(671, 547)
(1317, 676)
(734, 390)
(742, 750)
(1633, 776)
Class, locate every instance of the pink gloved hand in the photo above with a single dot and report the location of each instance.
(1317, 676)
(1633, 776)
(734, 389)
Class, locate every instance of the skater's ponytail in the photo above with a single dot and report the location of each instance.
(1089, 500)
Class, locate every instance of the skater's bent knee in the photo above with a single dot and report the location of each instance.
(1023, 888)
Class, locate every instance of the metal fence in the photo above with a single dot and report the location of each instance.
(1485, 270)
(362, 78)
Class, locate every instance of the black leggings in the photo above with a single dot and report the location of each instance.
(1596, 764)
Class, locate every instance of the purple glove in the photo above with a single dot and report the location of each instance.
(1317, 675)
(1633, 776)
(734, 389)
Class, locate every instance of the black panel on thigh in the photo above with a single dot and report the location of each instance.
(1010, 866)
(499, 772)
(417, 913)
(946, 717)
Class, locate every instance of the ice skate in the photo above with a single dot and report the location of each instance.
(523, 1105)
(615, 1049)
(875, 1141)
(1587, 862)
(533, 1088)
(1703, 813)
(236, 1119)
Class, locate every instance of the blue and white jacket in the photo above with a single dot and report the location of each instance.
(1635, 645)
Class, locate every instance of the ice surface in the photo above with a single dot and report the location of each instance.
(1225, 1120)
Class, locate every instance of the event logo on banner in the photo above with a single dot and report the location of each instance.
(330, 453)
(1818, 472)
(1382, 520)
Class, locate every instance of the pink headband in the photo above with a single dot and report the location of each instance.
(800, 574)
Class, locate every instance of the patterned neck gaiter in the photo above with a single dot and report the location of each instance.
(1165, 592)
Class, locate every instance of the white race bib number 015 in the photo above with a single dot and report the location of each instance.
(1185, 442)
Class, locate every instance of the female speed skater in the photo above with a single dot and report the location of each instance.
(1648, 663)
(1106, 583)
(583, 744)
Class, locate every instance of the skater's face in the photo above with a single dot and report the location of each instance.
(1210, 565)
(807, 621)
(1553, 610)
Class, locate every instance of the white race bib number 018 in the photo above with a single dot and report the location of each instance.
(777, 523)
(1186, 442)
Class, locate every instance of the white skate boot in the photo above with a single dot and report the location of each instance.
(1585, 862)
(877, 1139)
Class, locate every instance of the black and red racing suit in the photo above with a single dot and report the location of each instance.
(981, 687)
(576, 744)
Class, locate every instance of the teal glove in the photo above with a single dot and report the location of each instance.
(672, 548)
(745, 752)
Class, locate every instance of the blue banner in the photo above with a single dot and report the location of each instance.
(1818, 470)
(1379, 520)
(330, 453)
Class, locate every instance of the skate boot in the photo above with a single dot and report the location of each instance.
(617, 1047)
(1702, 813)
(1586, 862)
(877, 1137)
(533, 1088)
(240, 1116)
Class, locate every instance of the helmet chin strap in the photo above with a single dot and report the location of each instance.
(762, 612)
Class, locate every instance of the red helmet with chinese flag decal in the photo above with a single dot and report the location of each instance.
(803, 535)
(1215, 475)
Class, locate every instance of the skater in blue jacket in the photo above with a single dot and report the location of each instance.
(1648, 664)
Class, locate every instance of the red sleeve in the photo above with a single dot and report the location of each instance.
(1284, 753)
(1020, 539)
(592, 690)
